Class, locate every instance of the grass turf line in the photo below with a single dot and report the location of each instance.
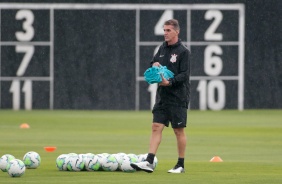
(249, 143)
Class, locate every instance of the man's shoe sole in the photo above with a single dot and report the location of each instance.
(138, 168)
(177, 172)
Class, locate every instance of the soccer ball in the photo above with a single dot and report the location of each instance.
(72, 154)
(4, 160)
(142, 158)
(121, 154)
(109, 163)
(103, 155)
(125, 164)
(83, 156)
(102, 159)
(75, 163)
(92, 163)
(118, 157)
(61, 162)
(32, 160)
(133, 158)
(15, 168)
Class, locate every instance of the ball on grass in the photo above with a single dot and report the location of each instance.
(32, 160)
(75, 163)
(61, 162)
(109, 163)
(15, 168)
(4, 160)
(92, 163)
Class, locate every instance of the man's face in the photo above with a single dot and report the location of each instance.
(170, 34)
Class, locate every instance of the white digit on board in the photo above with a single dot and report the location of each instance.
(210, 34)
(202, 88)
(15, 90)
(213, 87)
(212, 94)
(159, 27)
(153, 87)
(28, 32)
(212, 63)
(28, 50)
(153, 91)
(27, 89)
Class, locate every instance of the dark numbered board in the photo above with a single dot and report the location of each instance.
(53, 56)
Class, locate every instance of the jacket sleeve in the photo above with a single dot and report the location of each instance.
(184, 69)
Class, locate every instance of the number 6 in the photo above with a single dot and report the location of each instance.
(213, 64)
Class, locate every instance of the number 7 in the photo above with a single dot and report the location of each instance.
(28, 50)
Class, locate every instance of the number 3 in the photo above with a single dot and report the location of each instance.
(28, 33)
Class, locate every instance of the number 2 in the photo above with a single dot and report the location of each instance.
(210, 34)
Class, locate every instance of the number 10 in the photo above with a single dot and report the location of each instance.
(208, 96)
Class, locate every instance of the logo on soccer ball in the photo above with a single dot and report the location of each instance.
(173, 58)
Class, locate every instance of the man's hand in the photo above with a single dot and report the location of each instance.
(164, 82)
(156, 64)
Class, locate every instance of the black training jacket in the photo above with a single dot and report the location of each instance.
(177, 59)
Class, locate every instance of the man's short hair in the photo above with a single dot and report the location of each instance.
(174, 23)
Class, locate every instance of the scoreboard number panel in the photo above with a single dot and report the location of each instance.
(214, 33)
(25, 94)
(214, 60)
(151, 24)
(215, 25)
(25, 59)
(25, 25)
(214, 94)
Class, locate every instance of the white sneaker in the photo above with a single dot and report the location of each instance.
(144, 166)
(176, 169)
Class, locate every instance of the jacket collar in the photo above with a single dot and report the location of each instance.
(174, 45)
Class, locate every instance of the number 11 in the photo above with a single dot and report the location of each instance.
(16, 91)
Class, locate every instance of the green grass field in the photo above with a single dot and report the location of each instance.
(249, 142)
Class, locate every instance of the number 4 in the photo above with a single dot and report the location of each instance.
(159, 27)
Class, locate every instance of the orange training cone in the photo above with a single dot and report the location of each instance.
(50, 148)
(24, 125)
(216, 159)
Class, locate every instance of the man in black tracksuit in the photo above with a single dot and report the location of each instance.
(172, 98)
(176, 58)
